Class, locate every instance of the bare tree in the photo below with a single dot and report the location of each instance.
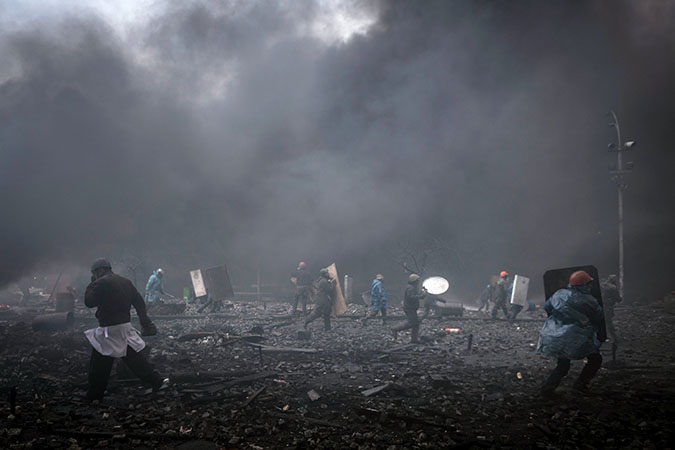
(417, 256)
(134, 267)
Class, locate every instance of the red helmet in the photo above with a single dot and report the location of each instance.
(504, 273)
(579, 278)
(302, 265)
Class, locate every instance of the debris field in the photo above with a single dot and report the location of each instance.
(251, 379)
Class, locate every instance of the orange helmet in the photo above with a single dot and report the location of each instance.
(579, 278)
(504, 273)
(302, 265)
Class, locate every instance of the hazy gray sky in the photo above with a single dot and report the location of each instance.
(266, 132)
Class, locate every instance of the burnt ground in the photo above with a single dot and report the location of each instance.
(436, 395)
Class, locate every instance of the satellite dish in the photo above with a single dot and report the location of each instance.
(436, 285)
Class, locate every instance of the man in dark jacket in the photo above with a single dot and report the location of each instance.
(501, 294)
(411, 303)
(113, 296)
(571, 332)
(324, 300)
(303, 287)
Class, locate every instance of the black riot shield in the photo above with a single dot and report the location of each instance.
(559, 279)
(217, 282)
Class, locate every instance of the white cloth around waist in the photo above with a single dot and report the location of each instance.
(113, 340)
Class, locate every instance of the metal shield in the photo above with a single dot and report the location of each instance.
(436, 285)
(214, 281)
(559, 279)
(519, 292)
(217, 282)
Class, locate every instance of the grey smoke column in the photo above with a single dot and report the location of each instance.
(217, 132)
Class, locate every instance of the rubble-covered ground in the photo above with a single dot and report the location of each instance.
(227, 391)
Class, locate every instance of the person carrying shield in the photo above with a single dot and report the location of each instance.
(378, 295)
(324, 300)
(411, 303)
(501, 294)
(303, 287)
(571, 332)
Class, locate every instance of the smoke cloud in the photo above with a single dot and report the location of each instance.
(262, 133)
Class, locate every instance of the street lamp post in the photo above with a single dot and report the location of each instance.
(618, 176)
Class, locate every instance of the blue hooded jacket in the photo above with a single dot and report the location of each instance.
(571, 330)
(153, 288)
(379, 295)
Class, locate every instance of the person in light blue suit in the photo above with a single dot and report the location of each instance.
(154, 287)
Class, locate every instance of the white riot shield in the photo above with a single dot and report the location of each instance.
(519, 292)
(198, 283)
(436, 285)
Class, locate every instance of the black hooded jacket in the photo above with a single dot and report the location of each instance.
(114, 295)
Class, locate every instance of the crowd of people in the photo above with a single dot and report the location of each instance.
(571, 331)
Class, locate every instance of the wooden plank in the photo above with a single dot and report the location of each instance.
(270, 349)
(242, 380)
(375, 390)
(196, 377)
(288, 350)
(291, 416)
(113, 434)
(339, 305)
(253, 396)
(197, 335)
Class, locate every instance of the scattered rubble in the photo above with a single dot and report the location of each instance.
(249, 380)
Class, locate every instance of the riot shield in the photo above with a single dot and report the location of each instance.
(436, 285)
(559, 279)
(519, 291)
(217, 282)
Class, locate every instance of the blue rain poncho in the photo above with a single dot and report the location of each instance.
(571, 330)
(153, 288)
(378, 295)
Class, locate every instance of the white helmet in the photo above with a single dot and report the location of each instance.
(160, 273)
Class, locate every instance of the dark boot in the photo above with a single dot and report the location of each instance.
(384, 316)
(142, 368)
(294, 305)
(415, 336)
(93, 395)
(400, 327)
(588, 372)
(556, 377)
(395, 329)
(326, 323)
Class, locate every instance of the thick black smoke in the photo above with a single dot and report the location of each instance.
(227, 133)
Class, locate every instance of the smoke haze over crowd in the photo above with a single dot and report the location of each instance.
(264, 133)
